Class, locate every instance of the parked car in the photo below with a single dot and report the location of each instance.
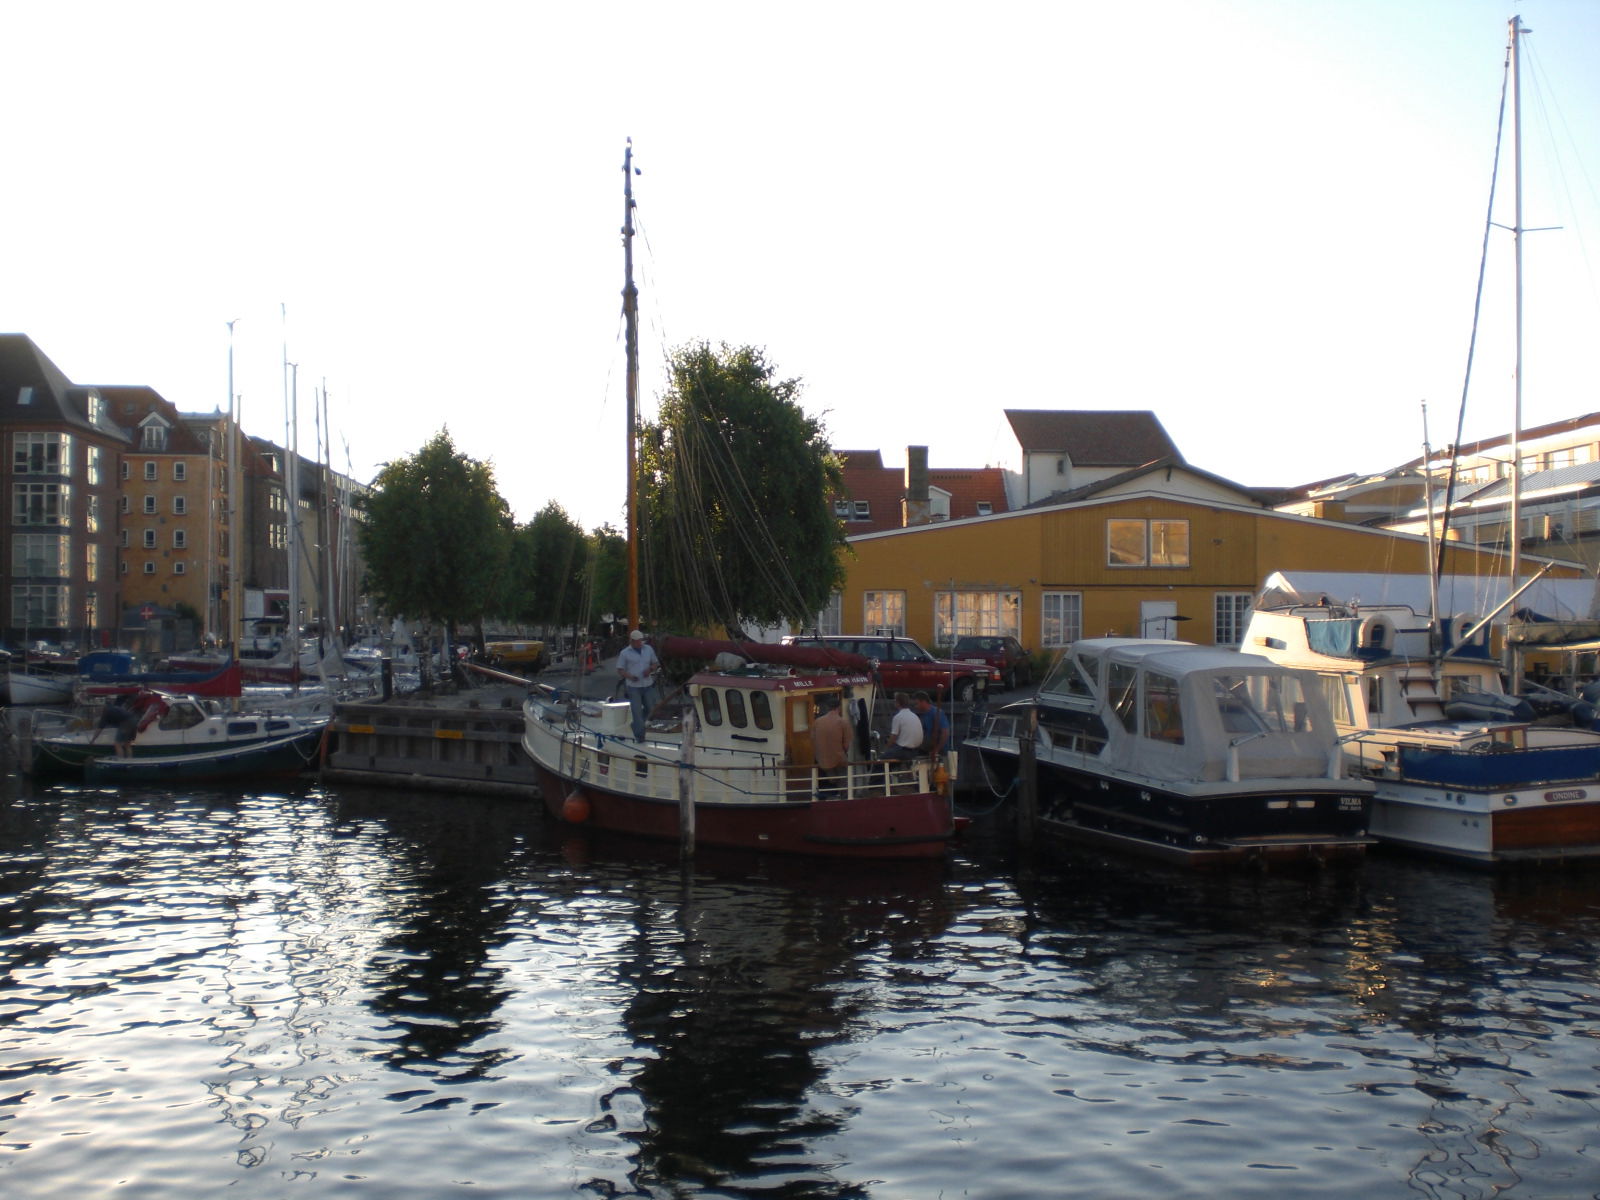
(1004, 654)
(904, 666)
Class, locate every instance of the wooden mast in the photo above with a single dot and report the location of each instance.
(630, 315)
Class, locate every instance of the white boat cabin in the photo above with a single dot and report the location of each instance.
(1176, 711)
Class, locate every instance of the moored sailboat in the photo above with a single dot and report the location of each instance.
(736, 766)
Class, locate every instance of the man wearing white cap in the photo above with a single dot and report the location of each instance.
(637, 667)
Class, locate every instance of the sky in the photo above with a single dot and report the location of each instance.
(1259, 219)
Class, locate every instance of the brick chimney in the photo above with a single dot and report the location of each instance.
(914, 509)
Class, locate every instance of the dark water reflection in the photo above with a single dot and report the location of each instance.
(329, 993)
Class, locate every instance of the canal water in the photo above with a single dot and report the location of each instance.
(338, 993)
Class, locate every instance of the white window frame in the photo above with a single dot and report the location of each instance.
(883, 610)
(41, 504)
(150, 470)
(1157, 531)
(1060, 618)
(41, 453)
(149, 506)
(180, 471)
(180, 506)
(149, 539)
(39, 605)
(38, 555)
(150, 567)
(180, 539)
(1230, 613)
(995, 612)
(179, 567)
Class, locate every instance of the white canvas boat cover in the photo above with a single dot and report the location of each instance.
(1175, 711)
(1557, 599)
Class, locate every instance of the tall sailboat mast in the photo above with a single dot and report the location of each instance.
(630, 316)
(1516, 242)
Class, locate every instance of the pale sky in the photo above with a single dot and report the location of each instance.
(1260, 220)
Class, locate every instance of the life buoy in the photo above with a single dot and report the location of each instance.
(1377, 632)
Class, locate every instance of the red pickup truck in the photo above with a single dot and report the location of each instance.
(905, 666)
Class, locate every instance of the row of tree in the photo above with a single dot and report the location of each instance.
(736, 524)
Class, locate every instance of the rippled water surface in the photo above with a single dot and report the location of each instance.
(341, 993)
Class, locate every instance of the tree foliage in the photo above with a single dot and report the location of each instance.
(734, 483)
(545, 578)
(436, 537)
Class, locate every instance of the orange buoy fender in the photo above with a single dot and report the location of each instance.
(575, 808)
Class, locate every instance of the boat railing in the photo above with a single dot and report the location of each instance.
(652, 770)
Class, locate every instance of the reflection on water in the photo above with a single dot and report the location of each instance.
(350, 992)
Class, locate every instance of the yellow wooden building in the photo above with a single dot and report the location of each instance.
(1168, 552)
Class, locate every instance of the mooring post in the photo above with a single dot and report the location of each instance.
(1028, 780)
(686, 789)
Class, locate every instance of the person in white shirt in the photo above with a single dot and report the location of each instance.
(637, 667)
(905, 731)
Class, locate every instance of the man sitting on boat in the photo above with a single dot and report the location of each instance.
(935, 725)
(637, 667)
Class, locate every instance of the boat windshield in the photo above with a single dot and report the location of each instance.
(1261, 703)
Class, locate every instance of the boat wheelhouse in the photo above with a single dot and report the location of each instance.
(1197, 755)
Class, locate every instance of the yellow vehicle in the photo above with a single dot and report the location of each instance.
(526, 657)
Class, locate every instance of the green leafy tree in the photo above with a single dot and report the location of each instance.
(734, 481)
(606, 573)
(436, 537)
(546, 574)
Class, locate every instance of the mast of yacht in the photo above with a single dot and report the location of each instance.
(1513, 663)
(235, 613)
(630, 316)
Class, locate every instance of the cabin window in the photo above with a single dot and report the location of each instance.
(1375, 696)
(1333, 691)
(182, 717)
(240, 728)
(1239, 714)
(1122, 689)
(1163, 718)
(710, 706)
(736, 714)
(1147, 543)
(761, 710)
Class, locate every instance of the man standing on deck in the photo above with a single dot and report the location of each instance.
(830, 741)
(637, 667)
(905, 731)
